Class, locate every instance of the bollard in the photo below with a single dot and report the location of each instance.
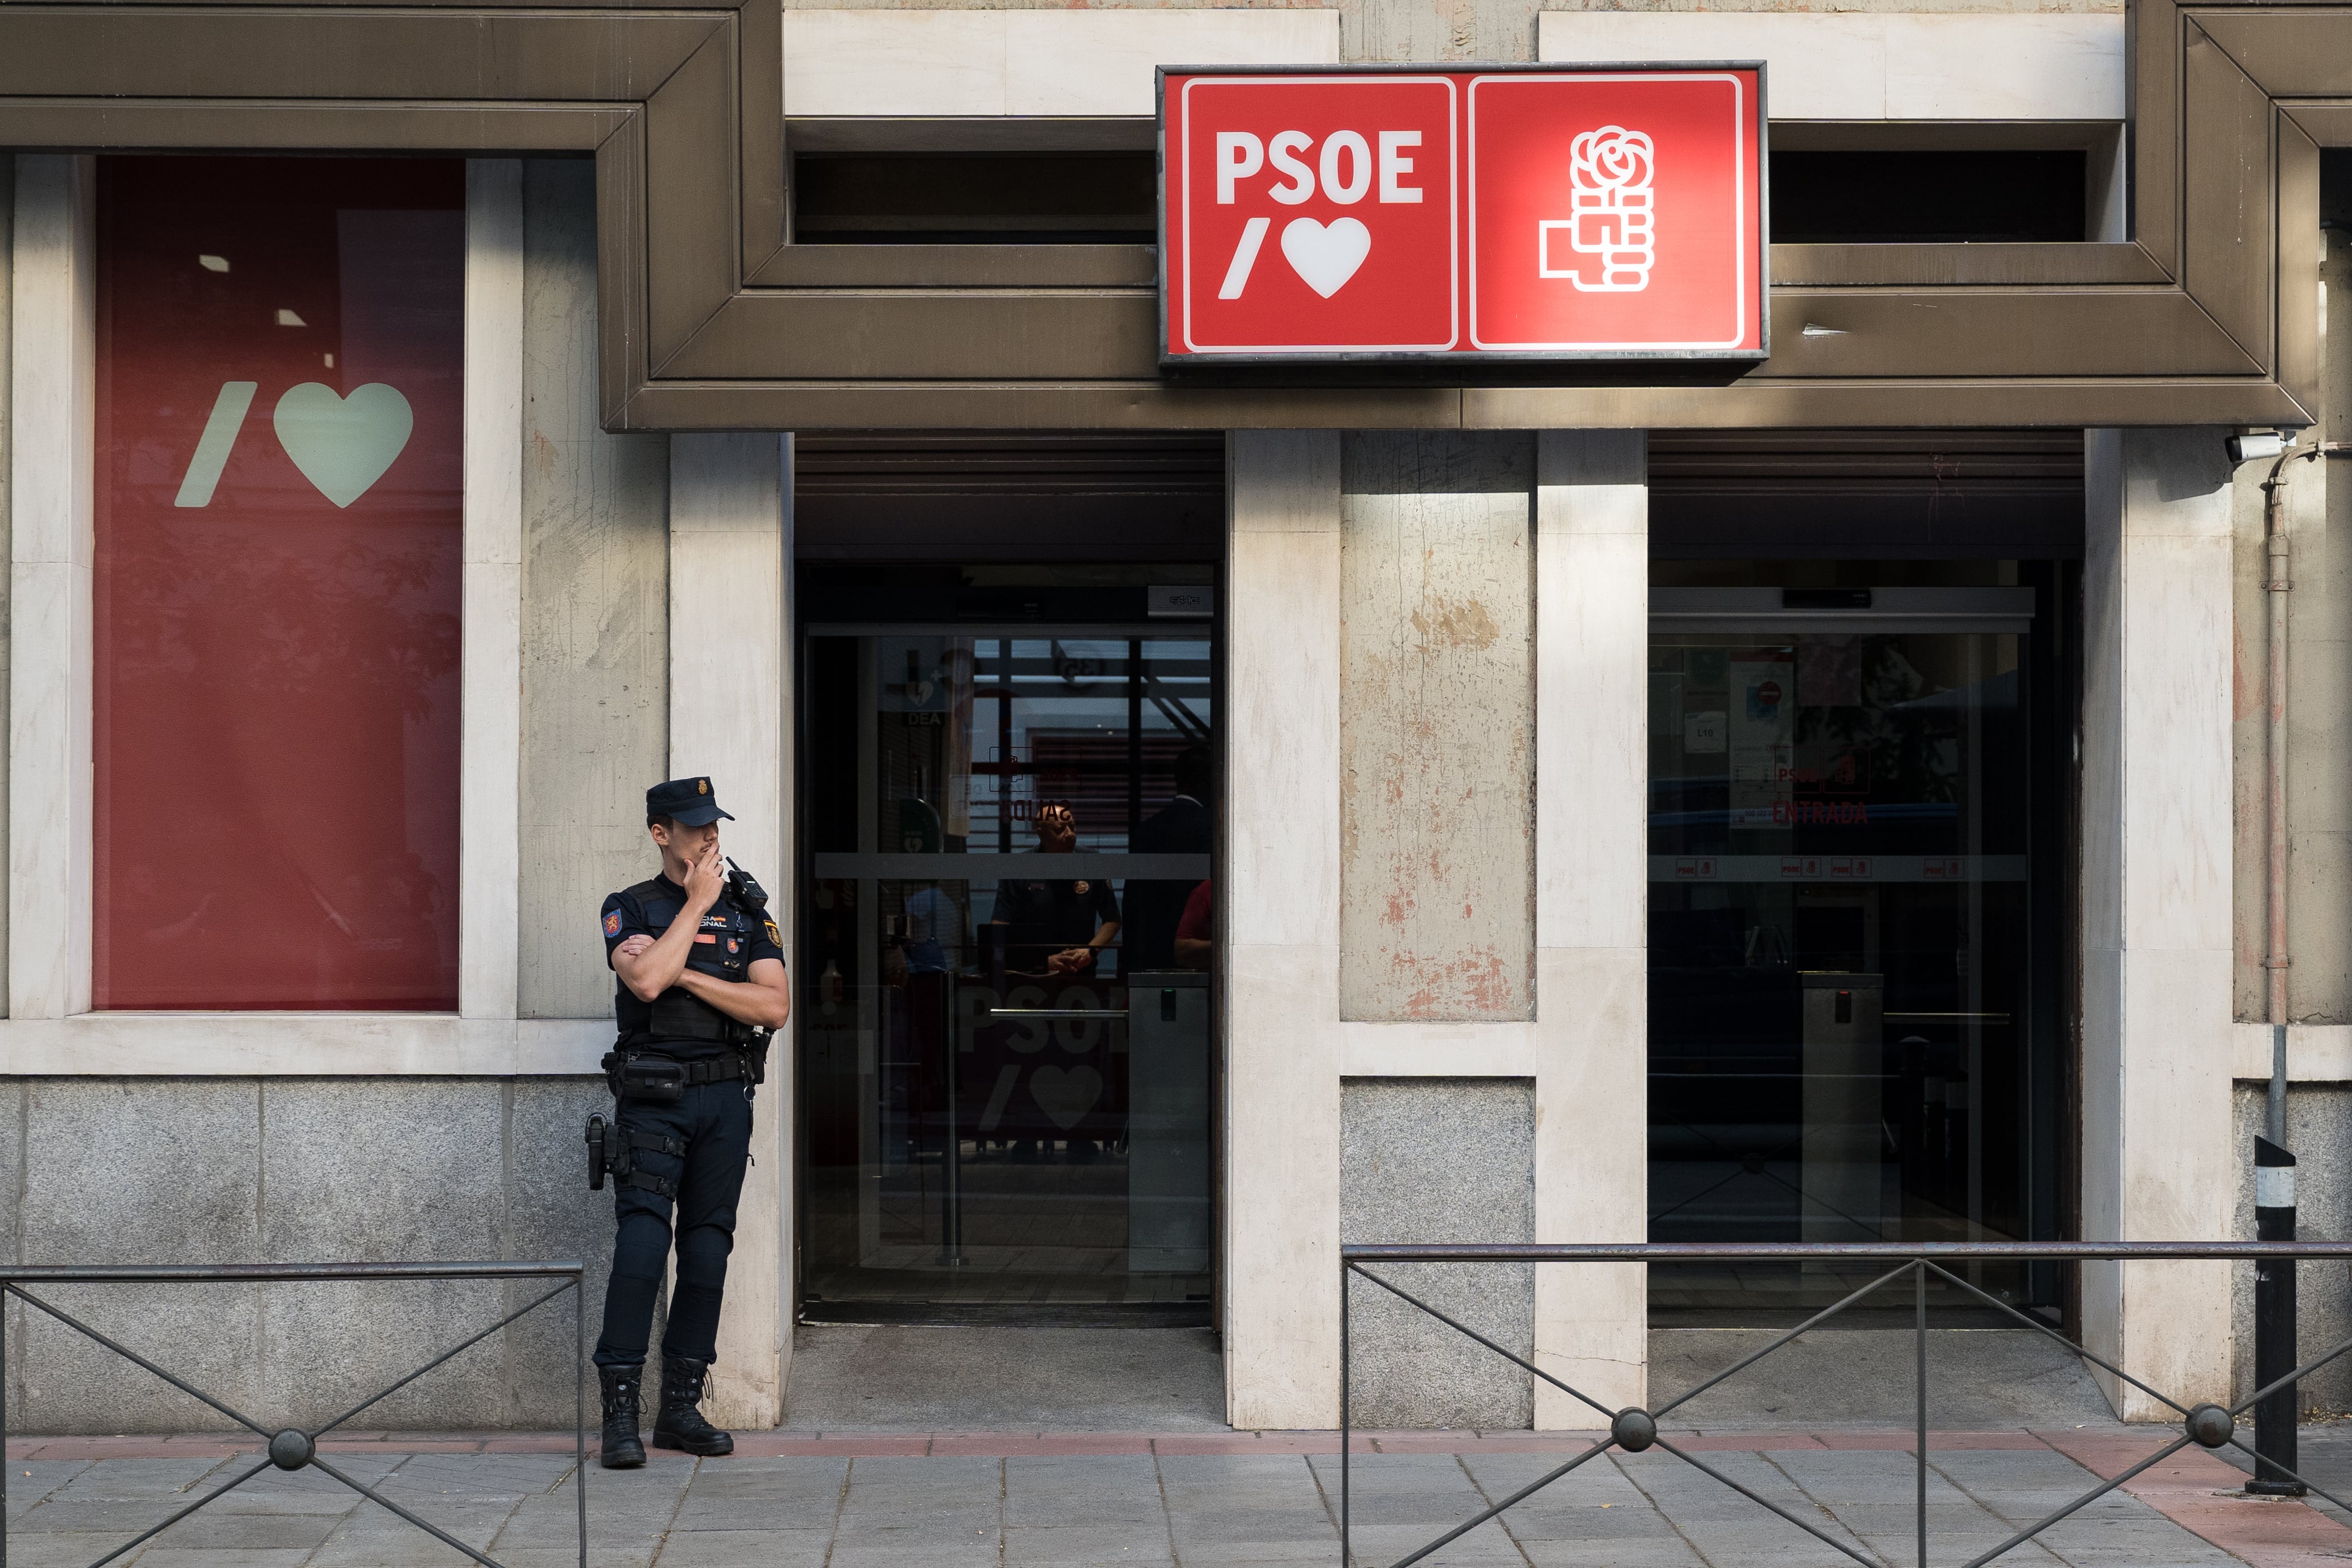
(2274, 1341)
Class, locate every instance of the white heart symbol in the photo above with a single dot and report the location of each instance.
(1065, 1095)
(1325, 258)
(344, 445)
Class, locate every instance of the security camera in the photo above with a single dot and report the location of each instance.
(2254, 446)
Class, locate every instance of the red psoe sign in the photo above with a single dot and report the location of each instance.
(1542, 214)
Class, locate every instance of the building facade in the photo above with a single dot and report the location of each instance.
(1828, 802)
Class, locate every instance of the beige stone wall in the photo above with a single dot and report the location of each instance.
(595, 631)
(2318, 514)
(1437, 727)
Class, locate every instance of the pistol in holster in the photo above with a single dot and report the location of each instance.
(612, 1151)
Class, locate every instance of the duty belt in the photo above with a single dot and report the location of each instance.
(660, 1080)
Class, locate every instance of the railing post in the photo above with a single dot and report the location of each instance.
(4, 1425)
(2274, 1329)
(1347, 1553)
(1919, 1335)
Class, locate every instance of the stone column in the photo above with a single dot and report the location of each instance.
(2158, 1160)
(489, 872)
(729, 558)
(1437, 965)
(1436, 877)
(52, 410)
(1593, 635)
(1279, 907)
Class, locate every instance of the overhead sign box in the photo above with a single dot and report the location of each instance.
(1399, 215)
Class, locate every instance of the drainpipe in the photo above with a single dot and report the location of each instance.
(2275, 584)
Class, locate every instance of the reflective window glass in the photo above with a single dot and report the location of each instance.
(1005, 1040)
(1843, 958)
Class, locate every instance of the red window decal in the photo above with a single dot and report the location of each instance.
(278, 583)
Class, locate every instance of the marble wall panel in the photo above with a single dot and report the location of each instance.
(1437, 727)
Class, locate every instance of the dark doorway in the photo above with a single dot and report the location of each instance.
(1005, 1053)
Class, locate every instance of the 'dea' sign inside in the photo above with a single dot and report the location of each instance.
(1383, 213)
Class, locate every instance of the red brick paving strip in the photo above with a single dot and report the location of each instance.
(2268, 1533)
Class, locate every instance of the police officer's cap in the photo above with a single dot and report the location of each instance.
(690, 803)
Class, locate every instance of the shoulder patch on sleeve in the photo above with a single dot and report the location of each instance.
(775, 937)
(612, 922)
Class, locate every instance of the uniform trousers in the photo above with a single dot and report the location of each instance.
(714, 1120)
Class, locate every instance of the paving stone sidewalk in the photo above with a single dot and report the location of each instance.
(1141, 1500)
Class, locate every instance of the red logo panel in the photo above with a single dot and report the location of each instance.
(1314, 216)
(1613, 212)
(1549, 214)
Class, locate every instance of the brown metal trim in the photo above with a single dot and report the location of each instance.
(2300, 53)
(997, 133)
(764, 186)
(1938, 135)
(691, 182)
(923, 335)
(1132, 405)
(81, 124)
(2329, 124)
(219, 52)
(962, 266)
(2005, 332)
(1097, 267)
(2227, 175)
(1961, 266)
(874, 267)
(1019, 335)
(711, 320)
(620, 270)
(2299, 245)
(2055, 402)
(2152, 56)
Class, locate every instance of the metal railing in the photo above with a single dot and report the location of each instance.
(1634, 1430)
(296, 1447)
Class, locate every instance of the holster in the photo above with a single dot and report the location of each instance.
(612, 1152)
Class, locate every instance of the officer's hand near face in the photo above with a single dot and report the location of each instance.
(706, 879)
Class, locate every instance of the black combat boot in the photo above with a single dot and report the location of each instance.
(620, 1449)
(680, 1424)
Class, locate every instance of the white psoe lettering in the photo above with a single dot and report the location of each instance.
(1345, 166)
(1394, 165)
(1239, 155)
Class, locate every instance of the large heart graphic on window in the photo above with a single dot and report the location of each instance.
(1326, 256)
(344, 445)
(1065, 1096)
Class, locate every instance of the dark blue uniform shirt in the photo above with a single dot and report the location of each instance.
(725, 947)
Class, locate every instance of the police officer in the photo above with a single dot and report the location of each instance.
(701, 981)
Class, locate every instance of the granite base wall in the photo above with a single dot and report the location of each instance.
(1439, 1160)
(297, 1170)
(2319, 1133)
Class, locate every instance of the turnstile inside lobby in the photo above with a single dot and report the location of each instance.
(995, 1116)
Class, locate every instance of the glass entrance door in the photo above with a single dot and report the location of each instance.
(1006, 1055)
(1843, 928)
